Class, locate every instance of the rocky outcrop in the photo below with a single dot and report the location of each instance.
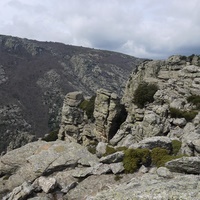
(40, 158)
(69, 171)
(109, 114)
(176, 79)
(72, 120)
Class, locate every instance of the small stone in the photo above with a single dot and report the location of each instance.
(164, 172)
(101, 149)
(117, 167)
(47, 184)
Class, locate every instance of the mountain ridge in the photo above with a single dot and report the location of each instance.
(35, 76)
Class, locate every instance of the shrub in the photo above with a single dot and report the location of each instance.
(144, 94)
(52, 136)
(195, 100)
(188, 115)
(176, 145)
(88, 107)
(160, 156)
(135, 158)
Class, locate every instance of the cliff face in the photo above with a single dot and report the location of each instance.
(35, 76)
(171, 113)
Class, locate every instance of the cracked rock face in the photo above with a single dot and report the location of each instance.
(108, 114)
(177, 79)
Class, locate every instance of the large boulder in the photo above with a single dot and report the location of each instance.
(113, 158)
(190, 165)
(191, 140)
(41, 158)
(72, 120)
(109, 114)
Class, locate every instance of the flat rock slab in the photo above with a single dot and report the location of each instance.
(151, 186)
(42, 158)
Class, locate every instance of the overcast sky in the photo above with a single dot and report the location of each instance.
(143, 28)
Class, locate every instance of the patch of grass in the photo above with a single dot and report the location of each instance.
(88, 107)
(195, 100)
(176, 145)
(135, 158)
(121, 148)
(188, 115)
(109, 150)
(144, 94)
(52, 136)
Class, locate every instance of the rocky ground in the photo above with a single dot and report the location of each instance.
(163, 170)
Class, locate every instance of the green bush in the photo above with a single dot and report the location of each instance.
(88, 107)
(135, 158)
(194, 99)
(160, 156)
(177, 113)
(176, 145)
(52, 136)
(144, 94)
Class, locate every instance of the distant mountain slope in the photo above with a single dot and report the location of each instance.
(35, 76)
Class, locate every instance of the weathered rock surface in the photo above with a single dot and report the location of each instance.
(47, 184)
(153, 142)
(190, 165)
(72, 120)
(177, 79)
(109, 114)
(20, 192)
(41, 158)
(101, 149)
(164, 172)
(151, 186)
(113, 158)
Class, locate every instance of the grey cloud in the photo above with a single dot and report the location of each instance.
(143, 28)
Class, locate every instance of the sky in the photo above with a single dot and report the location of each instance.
(153, 29)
